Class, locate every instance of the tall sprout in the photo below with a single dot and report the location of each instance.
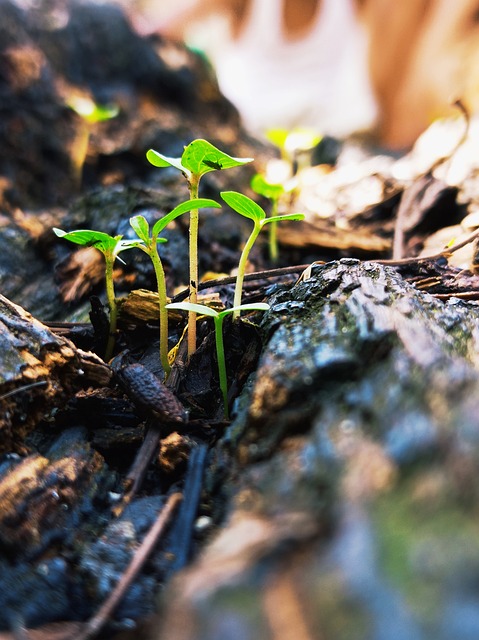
(198, 158)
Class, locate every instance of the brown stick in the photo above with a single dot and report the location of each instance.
(95, 624)
(140, 465)
(249, 277)
(445, 253)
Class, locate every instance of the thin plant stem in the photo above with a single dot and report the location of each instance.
(80, 153)
(273, 235)
(242, 268)
(220, 355)
(193, 249)
(162, 301)
(110, 296)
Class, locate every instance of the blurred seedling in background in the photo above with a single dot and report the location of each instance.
(278, 179)
(266, 186)
(218, 317)
(295, 145)
(90, 113)
(148, 242)
(110, 247)
(198, 158)
(250, 209)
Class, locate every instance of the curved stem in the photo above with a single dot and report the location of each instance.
(220, 356)
(162, 301)
(110, 296)
(242, 268)
(193, 249)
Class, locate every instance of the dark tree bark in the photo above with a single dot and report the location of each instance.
(39, 371)
(351, 474)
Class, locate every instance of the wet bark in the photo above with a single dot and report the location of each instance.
(349, 475)
(39, 371)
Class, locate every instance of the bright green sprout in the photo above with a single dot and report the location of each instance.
(250, 209)
(272, 191)
(148, 242)
(110, 247)
(293, 142)
(91, 113)
(218, 317)
(198, 158)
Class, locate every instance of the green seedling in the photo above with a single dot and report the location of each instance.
(218, 317)
(148, 242)
(272, 191)
(250, 209)
(295, 142)
(110, 247)
(198, 158)
(91, 113)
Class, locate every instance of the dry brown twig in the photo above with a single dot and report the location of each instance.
(98, 621)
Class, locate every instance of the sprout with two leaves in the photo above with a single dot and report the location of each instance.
(218, 317)
(110, 247)
(198, 158)
(148, 242)
(250, 209)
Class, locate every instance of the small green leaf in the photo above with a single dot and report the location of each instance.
(297, 138)
(89, 238)
(270, 190)
(102, 241)
(90, 111)
(277, 137)
(159, 160)
(286, 216)
(140, 226)
(200, 157)
(302, 138)
(184, 207)
(102, 113)
(243, 205)
(196, 308)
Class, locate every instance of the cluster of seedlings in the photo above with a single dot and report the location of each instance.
(198, 158)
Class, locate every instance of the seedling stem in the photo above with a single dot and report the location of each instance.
(218, 318)
(148, 242)
(250, 209)
(193, 249)
(198, 158)
(112, 306)
(110, 247)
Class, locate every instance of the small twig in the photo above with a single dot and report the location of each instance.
(445, 253)
(40, 383)
(97, 622)
(257, 275)
(462, 295)
(140, 465)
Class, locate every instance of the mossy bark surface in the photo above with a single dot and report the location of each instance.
(351, 470)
